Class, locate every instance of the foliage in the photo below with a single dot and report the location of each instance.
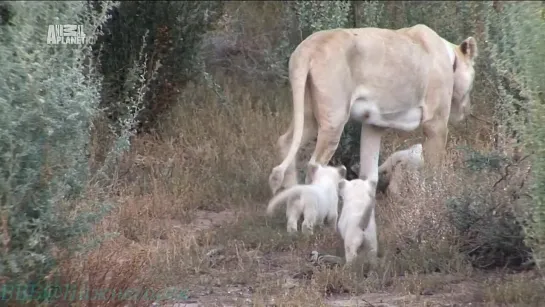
(319, 15)
(175, 29)
(302, 18)
(49, 95)
(489, 214)
(516, 36)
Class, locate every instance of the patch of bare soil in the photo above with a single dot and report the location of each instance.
(232, 272)
(458, 293)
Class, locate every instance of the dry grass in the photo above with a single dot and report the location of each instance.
(190, 218)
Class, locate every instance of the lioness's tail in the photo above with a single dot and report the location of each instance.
(298, 73)
(286, 194)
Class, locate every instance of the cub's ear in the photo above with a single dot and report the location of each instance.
(469, 48)
(311, 170)
(342, 171)
(355, 168)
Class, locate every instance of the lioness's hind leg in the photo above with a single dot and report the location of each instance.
(283, 145)
(326, 144)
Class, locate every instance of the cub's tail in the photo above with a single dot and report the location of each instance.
(285, 195)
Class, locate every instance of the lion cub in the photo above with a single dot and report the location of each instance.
(319, 199)
(397, 165)
(357, 220)
(412, 156)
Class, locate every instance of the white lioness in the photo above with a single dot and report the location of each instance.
(399, 79)
(318, 200)
(357, 220)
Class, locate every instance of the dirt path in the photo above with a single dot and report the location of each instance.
(278, 270)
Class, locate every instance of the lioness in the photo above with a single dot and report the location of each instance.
(399, 79)
(318, 202)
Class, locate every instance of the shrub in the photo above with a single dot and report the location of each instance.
(175, 29)
(516, 36)
(489, 213)
(48, 97)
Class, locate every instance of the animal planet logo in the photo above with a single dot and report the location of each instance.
(66, 35)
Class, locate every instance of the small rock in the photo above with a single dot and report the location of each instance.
(186, 304)
(426, 291)
(289, 283)
(215, 251)
(306, 274)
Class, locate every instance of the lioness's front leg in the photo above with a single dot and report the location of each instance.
(369, 151)
(436, 132)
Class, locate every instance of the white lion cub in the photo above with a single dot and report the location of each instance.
(411, 156)
(391, 176)
(357, 221)
(319, 199)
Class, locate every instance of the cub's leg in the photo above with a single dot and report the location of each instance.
(371, 241)
(310, 218)
(352, 242)
(331, 220)
(308, 226)
(293, 212)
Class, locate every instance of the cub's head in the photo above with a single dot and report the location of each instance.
(464, 74)
(316, 171)
(356, 189)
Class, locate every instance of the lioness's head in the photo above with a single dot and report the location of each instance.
(464, 74)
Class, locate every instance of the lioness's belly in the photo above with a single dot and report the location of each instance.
(369, 112)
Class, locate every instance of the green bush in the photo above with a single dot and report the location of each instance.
(175, 29)
(48, 96)
(489, 214)
(516, 46)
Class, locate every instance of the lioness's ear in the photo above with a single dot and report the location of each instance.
(469, 48)
(342, 171)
